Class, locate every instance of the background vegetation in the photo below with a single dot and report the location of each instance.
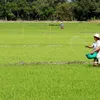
(49, 10)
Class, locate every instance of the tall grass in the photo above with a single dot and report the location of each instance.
(22, 43)
(32, 42)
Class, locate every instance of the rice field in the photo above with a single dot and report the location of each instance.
(40, 42)
(34, 61)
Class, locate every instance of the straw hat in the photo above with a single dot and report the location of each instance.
(97, 35)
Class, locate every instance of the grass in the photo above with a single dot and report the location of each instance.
(40, 42)
(51, 82)
(32, 42)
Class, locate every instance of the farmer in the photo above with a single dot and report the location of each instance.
(94, 46)
(61, 25)
(97, 48)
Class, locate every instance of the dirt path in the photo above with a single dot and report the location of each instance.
(37, 21)
(49, 63)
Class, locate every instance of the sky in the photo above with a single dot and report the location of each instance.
(69, 0)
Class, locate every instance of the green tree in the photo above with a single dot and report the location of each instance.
(64, 12)
(85, 9)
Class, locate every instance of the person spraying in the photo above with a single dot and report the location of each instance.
(61, 25)
(93, 55)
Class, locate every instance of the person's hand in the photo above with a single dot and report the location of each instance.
(91, 52)
(86, 46)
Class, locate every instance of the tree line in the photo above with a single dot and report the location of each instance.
(64, 10)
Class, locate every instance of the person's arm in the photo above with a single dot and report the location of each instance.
(96, 50)
(89, 46)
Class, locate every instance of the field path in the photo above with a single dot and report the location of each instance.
(50, 63)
